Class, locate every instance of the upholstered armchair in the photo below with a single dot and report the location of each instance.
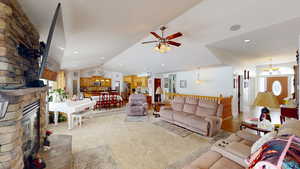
(137, 105)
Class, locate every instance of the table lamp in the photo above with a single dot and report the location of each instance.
(158, 92)
(266, 100)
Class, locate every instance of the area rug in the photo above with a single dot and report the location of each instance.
(185, 132)
(222, 134)
(95, 158)
(137, 118)
(173, 128)
(188, 159)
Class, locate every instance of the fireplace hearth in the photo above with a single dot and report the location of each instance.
(23, 127)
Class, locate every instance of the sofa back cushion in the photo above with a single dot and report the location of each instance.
(178, 99)
(190, 100)
(177, 106)
(206, 108)
(137, 99)
(189, 108)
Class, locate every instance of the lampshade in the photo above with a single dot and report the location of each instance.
(159, 91)
(266, 99)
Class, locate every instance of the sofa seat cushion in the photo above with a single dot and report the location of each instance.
(189, 108)
(225, 163)
(166, 113)
(197, 122)
(239, 149)
(205, 161)
(180, 116)
(247, 136)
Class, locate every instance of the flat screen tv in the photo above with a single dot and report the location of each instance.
(45, 48)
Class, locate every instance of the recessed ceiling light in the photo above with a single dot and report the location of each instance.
(76, 52)
(162, 65)
(235, 27)
(102, 58)
(247, 40)
(61, 48)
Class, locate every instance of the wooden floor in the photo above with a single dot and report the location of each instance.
(232, 124)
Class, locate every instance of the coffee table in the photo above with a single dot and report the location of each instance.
(253, 126)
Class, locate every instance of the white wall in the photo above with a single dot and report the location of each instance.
(215, 81)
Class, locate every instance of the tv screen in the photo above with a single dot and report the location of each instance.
(53, 37)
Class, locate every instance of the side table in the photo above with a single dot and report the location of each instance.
(156, 108)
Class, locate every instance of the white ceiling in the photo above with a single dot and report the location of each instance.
(114, 30)
(277, 44)
(206, 23)
(103, 28)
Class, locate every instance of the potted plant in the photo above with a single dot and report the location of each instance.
(57, 95)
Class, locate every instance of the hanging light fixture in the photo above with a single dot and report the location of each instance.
(198, 81)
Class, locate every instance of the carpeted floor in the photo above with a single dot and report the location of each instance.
(95, 158)
(131, 145)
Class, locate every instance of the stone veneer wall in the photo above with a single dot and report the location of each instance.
(15, 28)
(11, 154)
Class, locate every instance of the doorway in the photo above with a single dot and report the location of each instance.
(278, 86)
(157, 83)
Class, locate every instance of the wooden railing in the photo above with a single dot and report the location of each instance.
(226, 101)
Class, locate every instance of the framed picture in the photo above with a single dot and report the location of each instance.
(183, 83)
(166, 82)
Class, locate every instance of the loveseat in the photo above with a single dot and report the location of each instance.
(198, 115)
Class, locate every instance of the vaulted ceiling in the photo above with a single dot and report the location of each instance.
(110, 32)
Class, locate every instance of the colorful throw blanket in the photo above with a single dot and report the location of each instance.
(282, 152)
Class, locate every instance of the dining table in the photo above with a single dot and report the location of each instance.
(69, 107)
(99, 98)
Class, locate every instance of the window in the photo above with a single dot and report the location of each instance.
(276, 88)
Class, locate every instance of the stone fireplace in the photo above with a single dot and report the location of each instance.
(22, 110)
(23, 126)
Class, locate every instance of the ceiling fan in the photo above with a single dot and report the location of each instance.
(163, 43)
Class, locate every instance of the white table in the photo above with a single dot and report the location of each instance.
(69, 107)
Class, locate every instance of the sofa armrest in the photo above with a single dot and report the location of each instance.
(145, 105)
(215, 124)
(220, 110)
(166, 108)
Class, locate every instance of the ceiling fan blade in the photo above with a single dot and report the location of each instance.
(174, 43)
(176, 35)
(156, 35)
(154, 41)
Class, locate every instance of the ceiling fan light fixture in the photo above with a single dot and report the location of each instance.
(156, 48)
(168, 48)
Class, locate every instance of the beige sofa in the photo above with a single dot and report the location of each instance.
(198, 115)
(227, 153)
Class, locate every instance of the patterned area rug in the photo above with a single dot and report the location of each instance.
(95, 158)
(137, 118)
(173, 128)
